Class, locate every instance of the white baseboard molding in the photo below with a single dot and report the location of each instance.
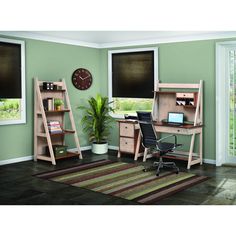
(15, 160)
(116, 148)
(209, 161)
(85, 148)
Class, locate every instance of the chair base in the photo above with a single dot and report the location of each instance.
(161, 164)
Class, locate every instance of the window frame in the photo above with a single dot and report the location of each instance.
(110, 52)
(22, 120)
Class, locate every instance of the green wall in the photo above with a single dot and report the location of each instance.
(184, 62)
(49, 61)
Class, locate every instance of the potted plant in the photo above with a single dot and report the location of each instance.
(58, 103)
(97, 122)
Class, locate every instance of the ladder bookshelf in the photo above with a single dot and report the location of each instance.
(44, 139)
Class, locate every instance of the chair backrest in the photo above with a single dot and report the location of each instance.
(149, 137)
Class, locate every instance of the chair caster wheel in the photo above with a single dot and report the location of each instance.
(177, 171)
(157, 174)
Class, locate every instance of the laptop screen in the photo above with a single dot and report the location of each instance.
(176, 117)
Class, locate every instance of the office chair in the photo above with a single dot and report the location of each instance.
(150, 141)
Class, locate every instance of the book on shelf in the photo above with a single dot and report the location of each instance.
(48, 104)
(54, 126)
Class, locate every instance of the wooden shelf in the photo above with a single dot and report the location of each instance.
(54, 111)
(68, 155)
(44, 120)
(188, 106)
(52, 91)
(179, 157)
(57, 111)
(64, 132)
(165, 92)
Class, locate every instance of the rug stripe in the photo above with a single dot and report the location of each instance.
(133, 184)
(73, 175)
(143, 189)
(127, 181)
(166, 187)
(47, 175)
(172, 189)
(96, 174)
(104, 177)
(112, 180)
(137, 183)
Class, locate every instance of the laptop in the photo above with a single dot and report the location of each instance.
(175, 118)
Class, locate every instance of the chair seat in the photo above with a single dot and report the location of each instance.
(163, 146)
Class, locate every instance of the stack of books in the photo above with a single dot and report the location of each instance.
(54, 127)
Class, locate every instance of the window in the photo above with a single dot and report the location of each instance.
(132, 75)
(12, 82)
(231, 103)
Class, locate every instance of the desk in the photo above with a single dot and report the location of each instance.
(186, 129)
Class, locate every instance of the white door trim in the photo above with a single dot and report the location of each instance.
(221, 104)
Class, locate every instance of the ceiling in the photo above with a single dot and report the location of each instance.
(104, 39)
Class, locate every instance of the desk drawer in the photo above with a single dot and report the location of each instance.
(127, 145)
(185, 95)
(126, 130)
(173, 130)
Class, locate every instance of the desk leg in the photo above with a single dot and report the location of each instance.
(200, 147)
(118, 154)
(137, 146)
(191, 151)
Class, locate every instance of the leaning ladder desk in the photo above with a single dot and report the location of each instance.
(166, 101)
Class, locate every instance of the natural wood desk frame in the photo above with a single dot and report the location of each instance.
(191, 130)
(164, 101)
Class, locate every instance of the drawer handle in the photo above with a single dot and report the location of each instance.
(126, 143)
(126, 127)
(178, 130)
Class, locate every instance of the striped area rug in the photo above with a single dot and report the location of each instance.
(124, 180)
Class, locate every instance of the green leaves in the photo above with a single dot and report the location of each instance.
(96, 121)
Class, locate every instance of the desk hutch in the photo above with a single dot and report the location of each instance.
(169, 97)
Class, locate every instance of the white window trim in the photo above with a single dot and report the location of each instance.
(222, 87)
(110, 52)
(22, 120)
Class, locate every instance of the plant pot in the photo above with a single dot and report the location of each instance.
(100, 148)
(58, 108)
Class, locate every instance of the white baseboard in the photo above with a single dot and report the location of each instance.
(85, 148)
(116, 148)
(209, 161)
(15, 160)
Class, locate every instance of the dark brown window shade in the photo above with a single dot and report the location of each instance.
(133, 74)
(10, 70)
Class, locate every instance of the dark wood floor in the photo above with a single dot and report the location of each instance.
(19, 186)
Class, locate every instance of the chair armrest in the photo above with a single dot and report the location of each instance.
(172, 135)
(145, 122)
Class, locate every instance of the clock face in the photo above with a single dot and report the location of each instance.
(82, 79)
